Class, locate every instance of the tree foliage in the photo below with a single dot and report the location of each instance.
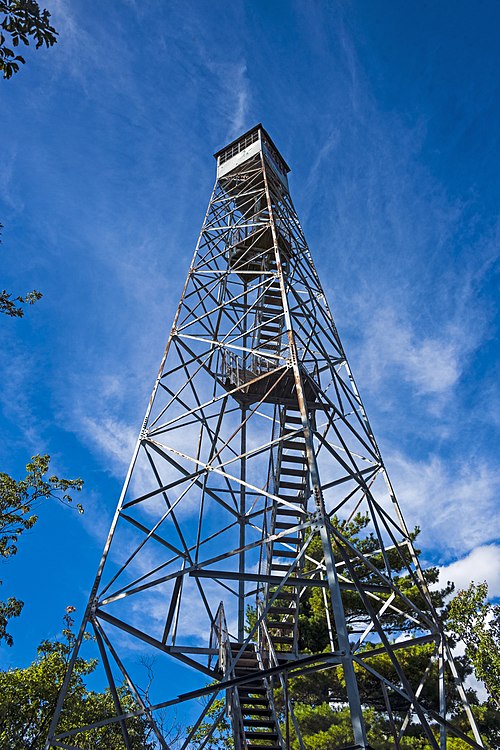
(9, 609)
(9, 305)
(477, 623)
(19, 499)
(28, 698)
(210, 738)
(312, 623)
(22, 21)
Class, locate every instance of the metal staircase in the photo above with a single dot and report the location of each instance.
(292, 487)
(267, 338)
(253, 709)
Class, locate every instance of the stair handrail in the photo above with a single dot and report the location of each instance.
(231, 366)
(219, 637)
(273, 661)
(219, 634)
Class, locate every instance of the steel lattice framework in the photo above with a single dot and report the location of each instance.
(254, 454)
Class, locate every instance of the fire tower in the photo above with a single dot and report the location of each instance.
(254, 457)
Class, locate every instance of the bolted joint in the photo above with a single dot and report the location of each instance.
(316, 520)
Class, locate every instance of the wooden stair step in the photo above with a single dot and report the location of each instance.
(250, 673)
(281, 612)
(246, 692)
(280, 511)
(283, 525)
(273, 303)
(297, 445)
(254, 703)
(292, 459)
(293, 472)
(254, 672)
(250, 687)
(262, 736)
(276, 613)
(246, 664)
(285, 485)
(280, 625)
(269, 332)
(286, 595)
(292, 518)
(270, 322)
(286, 553)
(290, 604)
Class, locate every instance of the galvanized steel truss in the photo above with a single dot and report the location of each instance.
(255, 444)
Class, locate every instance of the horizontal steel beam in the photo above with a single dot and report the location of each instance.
(277, 580)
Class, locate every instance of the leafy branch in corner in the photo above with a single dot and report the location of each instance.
(21, 20)
(8, 305)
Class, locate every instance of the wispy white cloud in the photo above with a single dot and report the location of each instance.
(219, 74)
(392, 347)
(85, 52)
(236, 86)
(17, 396)
(231, 95)
(454, 503)
(113, 439)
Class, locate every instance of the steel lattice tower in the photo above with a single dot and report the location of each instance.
(256, 450)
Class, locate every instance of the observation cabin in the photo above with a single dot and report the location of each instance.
(251, 143)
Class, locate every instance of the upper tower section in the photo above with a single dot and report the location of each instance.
(254, 141)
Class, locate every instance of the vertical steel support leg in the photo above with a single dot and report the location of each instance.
(358, 724)
(242, 523)
(442, 696)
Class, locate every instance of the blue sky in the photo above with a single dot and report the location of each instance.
(388, 114)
